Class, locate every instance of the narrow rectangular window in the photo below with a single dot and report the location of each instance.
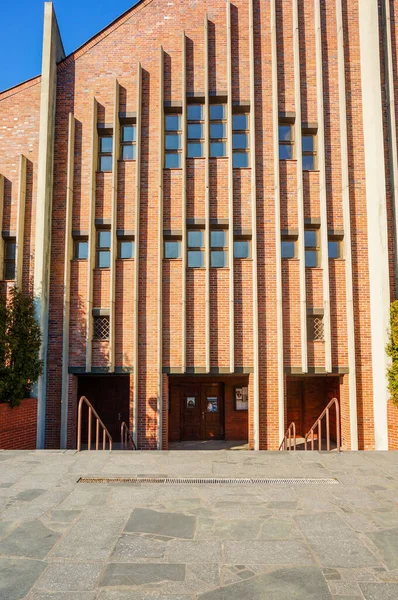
(195, 131)
(315, 328)
(335, 246)
(172, 158)
(289, 246)
(10, 249)
(101, 328)
(309, 151)
(126, 248)
(128, 142)
(312, 249)
(218, 131)
(196, 251)
(80, 248)
(242, 247)
(286, 141)
(172, 248)
(240, 140)
(219, 249)
(105, 153)
(103, 248)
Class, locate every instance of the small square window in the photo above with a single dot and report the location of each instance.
(172, 123)
(195, 112)
(195, 239)
(218, 131)
(219, 259)
(172, 161)
(172, 249)
(308, 143)
(217, 239)
(240, 122)
(312, 250)
(104, 239)
(106, 164)
(80, 250)
(240, 141)
(311, 258)
(196, 258)
(129, 152)
(103, 259)
(242, 249)
(308, 162)
(335, 248)
(126, 249)
(173, 142)
(285, 133)
(217, 112)
(9, 271)
(128, 133)
(195, 131)
(240, 160)
(10, 250)
(288, 248)
(286, 141)
(195, 149)
(106, 144)
(285, 152)
(217, 149)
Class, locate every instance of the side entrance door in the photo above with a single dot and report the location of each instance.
(202, 411)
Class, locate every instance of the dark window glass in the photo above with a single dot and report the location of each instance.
(172, 249)
(285, 133)
(240, 141)
(128, 134)
(173, 142)
(311, 258)
(285, 151)
(195, 131)
(10, 249)
(196, 258)
(129, 152)
(218, 258)
(242, 249)
(308, 143)
(217, 130)
(172, 161)
(9, 271)
(195, 239)
(195, 112)
(334, 249)
(106, 163)
(217, 149)
(217, 239)
(103, 259)
(310, 237)
(81, 250)
(195, 150)
(9, 259)
(239, 122)
(172, 123)
(126, 249)
(240, 160)
(217, 112)
(308, 162)
(104, 239)
(106, 144)
(288, 249)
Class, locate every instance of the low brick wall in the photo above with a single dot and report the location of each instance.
(18, 425)
(392, 415)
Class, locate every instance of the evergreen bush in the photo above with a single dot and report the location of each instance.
(20, 340)
(392, 351)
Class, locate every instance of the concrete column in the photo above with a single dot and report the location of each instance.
(207, 195)
(160, 250)
(20, 222)
(184, 206)
(352, 378)
(1, 225)
(53, 52)
(277, 200)
(67, 267)
(376, 211)
(137, 250)
(230, 195)
(115, 164)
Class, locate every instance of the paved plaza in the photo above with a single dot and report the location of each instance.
(63, 540)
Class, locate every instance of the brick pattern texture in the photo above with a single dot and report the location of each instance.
(18, 425)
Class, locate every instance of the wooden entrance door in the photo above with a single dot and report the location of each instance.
(202, 411)
(295, 406)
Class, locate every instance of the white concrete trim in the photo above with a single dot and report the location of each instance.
(115, 172)
(379, 284)
(67, 270)
(20, 221)
(207, 195)
(160, 249)
(1, 226)
(184, 206)
(230, 195)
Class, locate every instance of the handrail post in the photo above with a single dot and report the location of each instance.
(295, 438)
(97, 435)
(90, 412)
(319, 436)
(327, 431)
(79, 426)
(104, 440)
(337, 424)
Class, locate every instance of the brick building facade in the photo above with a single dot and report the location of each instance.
(203, 199)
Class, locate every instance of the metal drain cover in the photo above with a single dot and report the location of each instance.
(211, 480)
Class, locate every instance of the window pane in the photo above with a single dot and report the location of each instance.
(126, 249)
(239, 122)
(311, 258)
(172, 161)
(195, 239)
(218, 130)
(240, 141)
(195, 131)
(241, 249)
(129, 152)
(217, 111)
(106, 163)
(172, 123)
(217, 239)
(195, 150)
(172, 249)
(195, 112)
(285, 133)
(173, 142)
(288, 249)
(218, 259)
(9, 270)
(310, 238)
(308, 143)
(285, 151)
(217, 149)
(106, 144)
(103, 259)
(104, 239)
(334, 249)
(81, 250)
(10, 250)
(308, 162)
(196, 258)
(240, 159)
(128, 133)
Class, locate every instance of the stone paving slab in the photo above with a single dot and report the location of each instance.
(62, 540)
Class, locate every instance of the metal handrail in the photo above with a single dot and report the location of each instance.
(288, 436)
(318, 425)
(124, 435)
(105, 432)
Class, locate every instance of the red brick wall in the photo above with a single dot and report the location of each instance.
(18, 426)
(392, 415)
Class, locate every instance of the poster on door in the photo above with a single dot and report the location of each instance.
(241, 398)
(212, 405)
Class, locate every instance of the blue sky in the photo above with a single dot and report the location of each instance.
(21, 30)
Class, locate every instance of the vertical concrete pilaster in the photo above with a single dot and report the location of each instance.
(184, 206)
(20, 221)
(376, 211)
(207, 195)
(1, 224)
(160, 252)
(230, 194)
(53, 52)
(115, 163)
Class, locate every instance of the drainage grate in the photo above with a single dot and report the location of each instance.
(210, 481)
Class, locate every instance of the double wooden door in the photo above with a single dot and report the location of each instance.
(202, 411)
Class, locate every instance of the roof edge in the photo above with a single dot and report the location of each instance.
(7, 91)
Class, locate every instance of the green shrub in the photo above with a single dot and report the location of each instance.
(20, 340)
(392, 351)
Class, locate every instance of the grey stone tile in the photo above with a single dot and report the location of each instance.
(6, 527)
(17, 576)
(29, 495)
(267, 552)
(275, 529)
(193, 552)
(30, 539)
(344, 588)
(139, 595)
(89, 540)
(379, 591)
(324, 524)
(64, 516)
(386, 541)
(302, 583)
(131, 575)
(175, 525)
(69, 577)
(282, 505)
(229, 529)
(40, 595)
(132, 547)
(343, 553)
